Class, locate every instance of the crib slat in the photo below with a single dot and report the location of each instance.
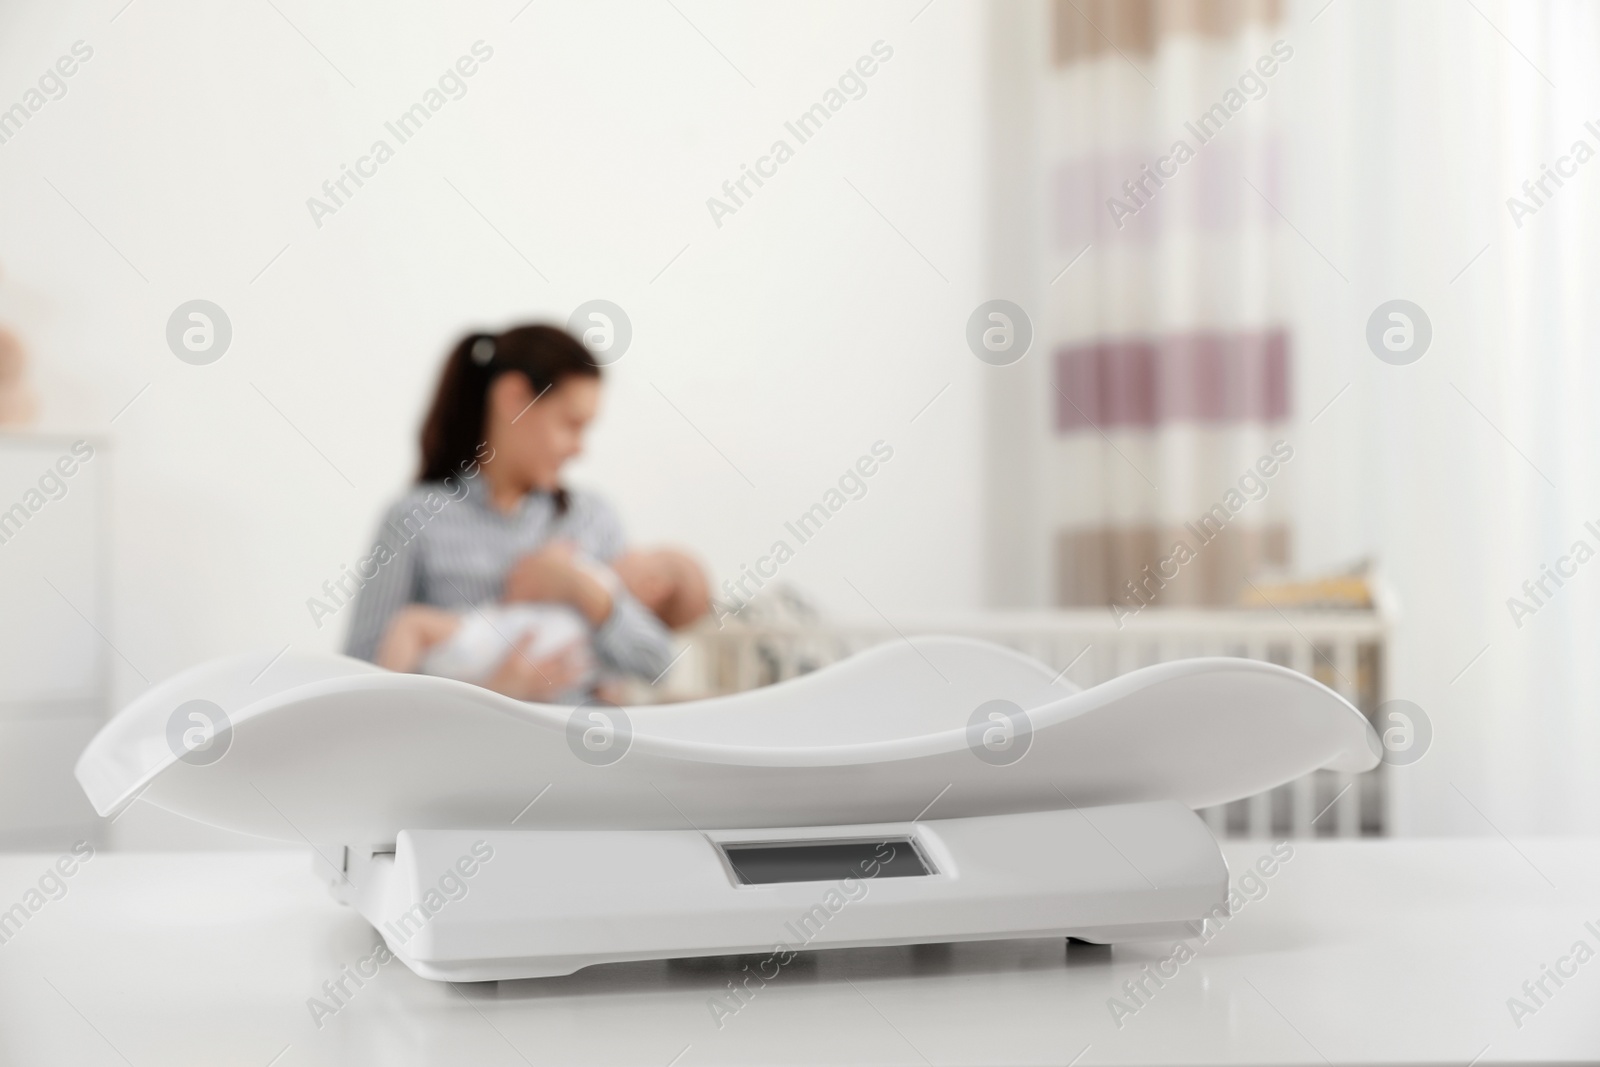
(749, 663)
(1259, 808)
(1303, 790)
(1348, 808)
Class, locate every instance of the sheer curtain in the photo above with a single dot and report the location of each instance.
(1470, 471)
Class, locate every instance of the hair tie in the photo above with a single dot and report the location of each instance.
(482, 351)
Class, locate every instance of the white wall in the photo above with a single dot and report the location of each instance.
(792, 337)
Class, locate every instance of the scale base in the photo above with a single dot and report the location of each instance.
(469, 906)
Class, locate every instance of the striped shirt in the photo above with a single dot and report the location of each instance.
(444, 544)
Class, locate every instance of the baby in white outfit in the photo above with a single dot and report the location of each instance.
(486, 635)
(472, 645)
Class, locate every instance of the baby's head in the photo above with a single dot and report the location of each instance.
(668, 582)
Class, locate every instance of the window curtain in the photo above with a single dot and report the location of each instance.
(1170, 358)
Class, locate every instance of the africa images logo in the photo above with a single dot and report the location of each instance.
(199, 732)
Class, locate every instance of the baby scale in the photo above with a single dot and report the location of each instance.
(933, 790)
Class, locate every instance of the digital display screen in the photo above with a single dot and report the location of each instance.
(771, 862)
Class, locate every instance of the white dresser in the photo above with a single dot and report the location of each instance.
(54, 663)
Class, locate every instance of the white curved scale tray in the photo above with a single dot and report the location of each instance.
(331, 750)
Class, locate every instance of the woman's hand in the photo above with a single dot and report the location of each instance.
(521, 677)
(553, 574)
(547, 574)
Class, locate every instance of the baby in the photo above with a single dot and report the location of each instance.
(472, 645)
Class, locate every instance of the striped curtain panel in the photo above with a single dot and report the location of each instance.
(1169, 358)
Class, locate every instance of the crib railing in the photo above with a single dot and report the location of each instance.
(1345, 650)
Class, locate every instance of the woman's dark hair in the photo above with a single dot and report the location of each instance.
(453, 433)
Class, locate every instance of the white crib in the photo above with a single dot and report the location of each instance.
(1345, 650)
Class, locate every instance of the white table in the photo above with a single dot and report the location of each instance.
(1359, 952)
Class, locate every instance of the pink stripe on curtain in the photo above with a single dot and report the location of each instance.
(1208, 192)
(1208, 376)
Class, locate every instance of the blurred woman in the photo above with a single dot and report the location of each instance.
(489, 519)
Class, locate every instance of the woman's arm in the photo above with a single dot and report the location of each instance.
(632, 640)
(554, 573)
(386, 592)
(627, 637)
